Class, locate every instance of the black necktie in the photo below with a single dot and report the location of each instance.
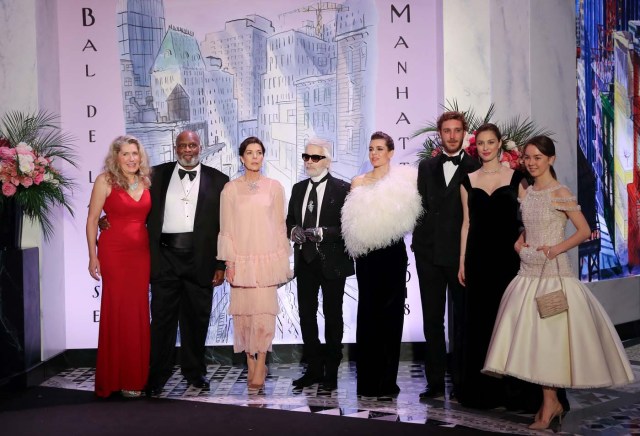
(192, 174)
(309, 250)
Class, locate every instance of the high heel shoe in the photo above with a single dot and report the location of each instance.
(251, 366)
(260, 385)
(541, 424)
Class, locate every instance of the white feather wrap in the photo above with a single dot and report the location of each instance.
(376, 215)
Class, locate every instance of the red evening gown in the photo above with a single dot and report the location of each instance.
(123, 251)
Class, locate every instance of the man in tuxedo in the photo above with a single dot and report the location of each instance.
(436, 246)
(183, 227)
(313, 224)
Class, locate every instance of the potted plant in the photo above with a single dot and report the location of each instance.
(30, 146)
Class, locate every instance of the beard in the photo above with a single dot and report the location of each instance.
(314, 172)
(192, 162)
(452, 147)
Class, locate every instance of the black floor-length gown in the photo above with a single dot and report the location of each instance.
(491, 262)
(382, 282)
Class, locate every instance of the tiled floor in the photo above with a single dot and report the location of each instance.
(597, 411)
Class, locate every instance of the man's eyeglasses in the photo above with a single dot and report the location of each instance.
(314, 157)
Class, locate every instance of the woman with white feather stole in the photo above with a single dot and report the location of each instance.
(382, 207)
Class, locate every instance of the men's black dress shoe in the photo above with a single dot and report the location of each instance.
(307, 380)
(329, 384)
(432, 392)
(199, 382)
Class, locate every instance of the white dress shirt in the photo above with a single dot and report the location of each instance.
(319, 191)
(181, 200)
(450, 169)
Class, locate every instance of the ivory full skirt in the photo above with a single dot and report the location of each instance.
(575, 349)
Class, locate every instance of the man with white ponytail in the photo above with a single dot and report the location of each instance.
(313, 224)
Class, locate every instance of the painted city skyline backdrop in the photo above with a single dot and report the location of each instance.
(284, 71)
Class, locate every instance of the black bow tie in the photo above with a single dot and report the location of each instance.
(453, 159)
(192, 174)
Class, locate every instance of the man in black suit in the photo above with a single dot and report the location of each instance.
(183, 230)
(436, 245)
(313, 224)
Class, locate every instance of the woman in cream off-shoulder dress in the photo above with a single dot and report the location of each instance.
(578, 348)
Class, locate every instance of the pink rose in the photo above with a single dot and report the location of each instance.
(7, 152)
(38, 178)
(27, 181)
(8, 189)
(472, 151)
(506, 157)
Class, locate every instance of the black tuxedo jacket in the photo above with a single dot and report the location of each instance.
(205, 227)
(436, 238)
(336, 263)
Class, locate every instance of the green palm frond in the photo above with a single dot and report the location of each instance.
(41, 131)
(514, 129)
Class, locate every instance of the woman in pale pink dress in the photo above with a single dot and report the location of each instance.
(253, 242)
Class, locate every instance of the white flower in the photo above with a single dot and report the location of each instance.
(25, 163)
(23, 146)
(510, 145)
(465, 141)
(47, 176)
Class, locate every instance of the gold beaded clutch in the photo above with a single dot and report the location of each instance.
(551, 303)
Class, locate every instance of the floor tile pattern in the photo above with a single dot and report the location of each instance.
(593, 412)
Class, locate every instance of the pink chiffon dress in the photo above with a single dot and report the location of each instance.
(253, 236)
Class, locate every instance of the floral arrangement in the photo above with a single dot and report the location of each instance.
(30, 143)
(515, 134)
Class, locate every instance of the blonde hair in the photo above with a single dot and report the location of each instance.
(114, 173)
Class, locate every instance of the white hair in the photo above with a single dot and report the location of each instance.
(326, 146)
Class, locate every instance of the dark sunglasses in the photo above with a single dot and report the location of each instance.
(314, 157)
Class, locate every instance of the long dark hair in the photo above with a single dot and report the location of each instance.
(546, 147)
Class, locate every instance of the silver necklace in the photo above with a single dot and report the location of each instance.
(253, 186)
(497, 170)
(133, 186)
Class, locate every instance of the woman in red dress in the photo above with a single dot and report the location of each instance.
(122, 261)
